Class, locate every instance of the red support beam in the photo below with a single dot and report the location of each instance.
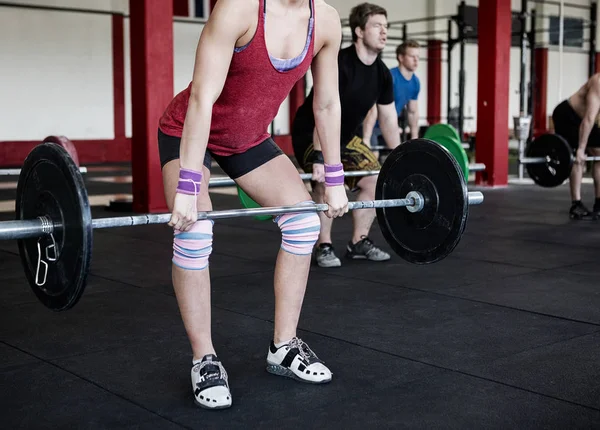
(495, 17)
(118, 57)
(540, 100)
(181, 8)
(434, 81)
(151, 23)
(597, 63)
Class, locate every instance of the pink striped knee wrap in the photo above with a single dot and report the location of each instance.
(192, 248)
(299, 232)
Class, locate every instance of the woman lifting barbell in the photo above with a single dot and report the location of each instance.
(241, 60)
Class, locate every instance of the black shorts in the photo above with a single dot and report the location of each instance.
(355, 155)
(566, 124)
(234, 166)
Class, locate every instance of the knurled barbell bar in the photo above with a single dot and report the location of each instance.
(549, 160)
(422, 208)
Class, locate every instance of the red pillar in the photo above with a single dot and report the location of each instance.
(434, 81)
(212, 5)
(118, 78)
(493, 91)
(597, 62)
(181, 8)
(151, 23)
(540, 121)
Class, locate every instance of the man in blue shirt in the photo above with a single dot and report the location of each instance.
(406, 93)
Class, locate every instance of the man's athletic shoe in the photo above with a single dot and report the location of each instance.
(365, 249)
(326, 257)
(210, 384)
(578, 211)
(296, 360)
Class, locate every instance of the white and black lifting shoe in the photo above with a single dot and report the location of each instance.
(210, 383)
(296, 360)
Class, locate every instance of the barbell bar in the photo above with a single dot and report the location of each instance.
(11, 230)
(422, 206)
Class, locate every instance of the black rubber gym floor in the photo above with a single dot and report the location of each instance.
(504, 333)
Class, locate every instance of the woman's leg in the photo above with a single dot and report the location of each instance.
(191, 282)
(277, 183)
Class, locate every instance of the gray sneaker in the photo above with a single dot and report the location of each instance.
(326, 257)
(365, 249)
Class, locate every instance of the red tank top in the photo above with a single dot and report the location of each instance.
(254, 89)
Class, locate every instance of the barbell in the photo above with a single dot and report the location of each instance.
(549, 160)
(422, 208)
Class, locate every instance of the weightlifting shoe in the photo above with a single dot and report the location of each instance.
(578, 211)
(297, 361)
(326, 257)
(210, 383)
(365, 249)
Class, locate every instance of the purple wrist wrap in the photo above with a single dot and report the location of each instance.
(189, 181)
(334, 175)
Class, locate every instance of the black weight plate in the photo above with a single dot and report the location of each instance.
(558, 169)
(50, 185)
(432, 234)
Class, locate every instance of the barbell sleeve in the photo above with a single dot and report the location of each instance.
(24, 229)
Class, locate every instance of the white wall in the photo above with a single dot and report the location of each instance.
(57, 67)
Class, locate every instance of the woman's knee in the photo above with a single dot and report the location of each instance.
(192, 248)
(299, 231)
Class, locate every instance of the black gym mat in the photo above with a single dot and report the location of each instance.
(501, 334)
(436, 329)
(49, 402)
(12, 357)
(565, 370)
(260, 398)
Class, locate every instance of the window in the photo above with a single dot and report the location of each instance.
(190, 8)
(573, 31)
(199, 8)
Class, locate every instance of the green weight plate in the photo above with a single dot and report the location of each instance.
(247, 202)
(441, 130)
(456, 149)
